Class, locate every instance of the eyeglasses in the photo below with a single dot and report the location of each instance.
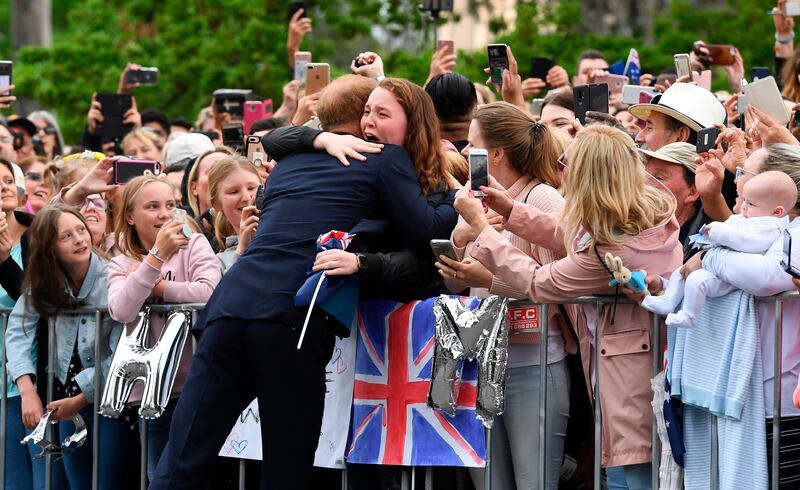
(562, 160)
(34, 176)
(46, 129)
(98, 202)
(740, 171)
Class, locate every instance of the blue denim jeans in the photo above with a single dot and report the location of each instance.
(117, 450)
(630, 477)
(157, 436)
(515, 434)
(23, 471)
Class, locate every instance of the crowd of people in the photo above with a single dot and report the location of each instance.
(386, 159)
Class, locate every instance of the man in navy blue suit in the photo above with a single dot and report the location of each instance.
(251, 326)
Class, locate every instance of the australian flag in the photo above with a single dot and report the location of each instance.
(391, 421)
(633, 70)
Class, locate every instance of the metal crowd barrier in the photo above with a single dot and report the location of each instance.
(409, 477)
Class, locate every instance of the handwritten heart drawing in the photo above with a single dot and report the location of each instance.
(238, 446)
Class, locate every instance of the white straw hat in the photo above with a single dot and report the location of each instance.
(694, 106)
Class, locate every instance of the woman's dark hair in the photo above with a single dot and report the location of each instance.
(453, 96)
(268, 124)
(45, 278)
(560, 98)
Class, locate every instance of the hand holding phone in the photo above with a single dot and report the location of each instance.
(143, 76)
(478, 170)
(498, 62)
(233, 135)
(722, 54)
(443, 247)
(6, 68)
(540, 67)
(706, 139)
(126, 169)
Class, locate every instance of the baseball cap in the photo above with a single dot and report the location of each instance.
(186, 147)
(678, 153)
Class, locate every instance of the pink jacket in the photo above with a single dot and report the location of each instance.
(193, 273)
(625, 347)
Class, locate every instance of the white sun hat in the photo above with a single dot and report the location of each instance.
(690, 104)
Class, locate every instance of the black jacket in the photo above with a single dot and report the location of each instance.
(11, 273)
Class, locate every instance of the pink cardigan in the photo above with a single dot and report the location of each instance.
(193, 273)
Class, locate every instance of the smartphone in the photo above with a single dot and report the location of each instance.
(478, 170)
(114, 107)
(630, 93)
(233, 135)
(255, 110)
(443, 247)
(540, 67)
(536, 107)
(294, 7)
(615, 82)
(765, 95)
(682, 65)
(741, 104)
(231, 101)
(318, 77)
(706, 139)
(721, 54)
(759, 72)
(450, 47)
(255, 151)
(498, 61)
(126, 169)
(587, 98)
(791, 9)
(647, 97)
(301, 61)
(143, 76)
(786, 262)
(5, 75)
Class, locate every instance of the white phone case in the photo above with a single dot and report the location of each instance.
(764, 94)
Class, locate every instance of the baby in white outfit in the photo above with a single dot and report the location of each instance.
(767, 199)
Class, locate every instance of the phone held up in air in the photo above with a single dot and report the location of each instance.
(448, 45)
(231, 100)
(478, 170)
(255, 110)
(615, 82)
(146, 75)
(113, 108)
(593, 97)
(682, 65)
(706, 139)
(294, 7)
(233, 135)
(540, 67)
(318, 76)
(443, 247)
(498, 61)
(5, 75)
(255, 151)
(126, 169)
(722, 54)
(630, 93)
(301, 61)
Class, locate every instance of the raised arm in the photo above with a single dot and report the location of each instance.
(129, 288)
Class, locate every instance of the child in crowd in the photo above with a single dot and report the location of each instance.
(162, 261)
(768, 198)
(232, 186)
(64, 273)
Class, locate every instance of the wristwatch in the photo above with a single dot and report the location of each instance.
(362, 261)
(154, 253)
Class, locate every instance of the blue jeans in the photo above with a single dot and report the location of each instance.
(23, 471)
(630, 477)
(515, 434)
(157, 436)
(117, 449)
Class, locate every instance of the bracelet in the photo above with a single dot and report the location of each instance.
(157, 257)
(784, 40)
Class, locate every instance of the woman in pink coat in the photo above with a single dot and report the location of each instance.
(609, 208)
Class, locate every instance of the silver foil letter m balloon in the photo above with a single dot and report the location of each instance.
(465, 333)
(156, 366)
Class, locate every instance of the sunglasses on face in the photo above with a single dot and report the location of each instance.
(46, 129)
(98, 202)
(34, 176)
(740, 172)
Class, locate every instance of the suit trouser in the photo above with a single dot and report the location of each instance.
(236, 361)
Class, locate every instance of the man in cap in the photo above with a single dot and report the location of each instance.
(673, 166)
(27, 130)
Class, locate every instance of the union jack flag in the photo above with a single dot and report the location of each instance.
(392, 423)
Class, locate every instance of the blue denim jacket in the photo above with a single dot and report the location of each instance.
(21, 333)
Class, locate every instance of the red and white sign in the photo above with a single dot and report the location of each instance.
(524, 319)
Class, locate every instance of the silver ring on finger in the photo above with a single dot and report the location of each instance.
(455, 274)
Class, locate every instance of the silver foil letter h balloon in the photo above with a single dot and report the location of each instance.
(156, 366)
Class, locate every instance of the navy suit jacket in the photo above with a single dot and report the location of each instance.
(309, 194)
